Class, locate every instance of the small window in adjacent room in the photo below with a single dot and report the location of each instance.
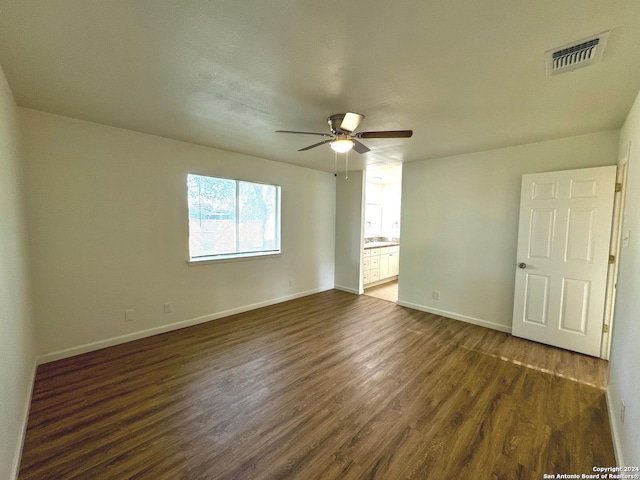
(232, 218)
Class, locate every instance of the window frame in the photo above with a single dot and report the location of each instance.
(237, 256)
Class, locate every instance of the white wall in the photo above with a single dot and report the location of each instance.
(624, 365)
(349, 231)
(382, 209)
(460, 224)
(391, 209)
(17, 345)
(373, 202)
(107, 216)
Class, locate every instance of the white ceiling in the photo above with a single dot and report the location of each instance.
(464, 75)
(384, 173)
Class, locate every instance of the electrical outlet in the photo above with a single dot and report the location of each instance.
(291, 282)
(129, 315)
(436, 295)
(623, 408)
(167, 307)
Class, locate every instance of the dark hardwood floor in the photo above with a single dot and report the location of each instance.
(330, 386)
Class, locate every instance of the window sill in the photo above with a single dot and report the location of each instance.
(194, 262)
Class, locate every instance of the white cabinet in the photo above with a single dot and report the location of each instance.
(389, 261)
(394, 264)
(370, 265)
(380, 263)
(384, 265)
(375, 276)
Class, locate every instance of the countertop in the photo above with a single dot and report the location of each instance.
(380, 244)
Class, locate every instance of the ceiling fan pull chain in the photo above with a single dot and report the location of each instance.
(335, 163)
(346, 176)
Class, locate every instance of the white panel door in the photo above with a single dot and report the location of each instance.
(563, 252)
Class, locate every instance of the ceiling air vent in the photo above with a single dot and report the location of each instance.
(576, 55)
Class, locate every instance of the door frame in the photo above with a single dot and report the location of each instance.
(614, 249)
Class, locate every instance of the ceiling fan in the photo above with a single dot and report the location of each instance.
(342, 139)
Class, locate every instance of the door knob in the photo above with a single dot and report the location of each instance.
(522, 265)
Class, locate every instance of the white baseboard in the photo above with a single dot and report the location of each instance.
(17, 455)
(456, 316)
(110, 342)
(614, 430)
(348, 289)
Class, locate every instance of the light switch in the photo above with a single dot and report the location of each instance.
(626, 237)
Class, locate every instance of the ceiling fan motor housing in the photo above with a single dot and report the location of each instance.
(334, 122)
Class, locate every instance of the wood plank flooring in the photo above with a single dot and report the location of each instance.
(330, 386)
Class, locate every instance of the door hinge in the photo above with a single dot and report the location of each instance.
(618, 187)
(612, 259)
(605, 328)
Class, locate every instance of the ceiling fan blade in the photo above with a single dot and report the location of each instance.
(314, 145)
(351, 121)
(359, 147)
(386, 134)
(305, 133)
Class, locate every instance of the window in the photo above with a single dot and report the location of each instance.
(232, 218)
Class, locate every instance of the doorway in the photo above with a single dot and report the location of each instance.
(381, 255)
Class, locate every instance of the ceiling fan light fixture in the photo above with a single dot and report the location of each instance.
(342, 145)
